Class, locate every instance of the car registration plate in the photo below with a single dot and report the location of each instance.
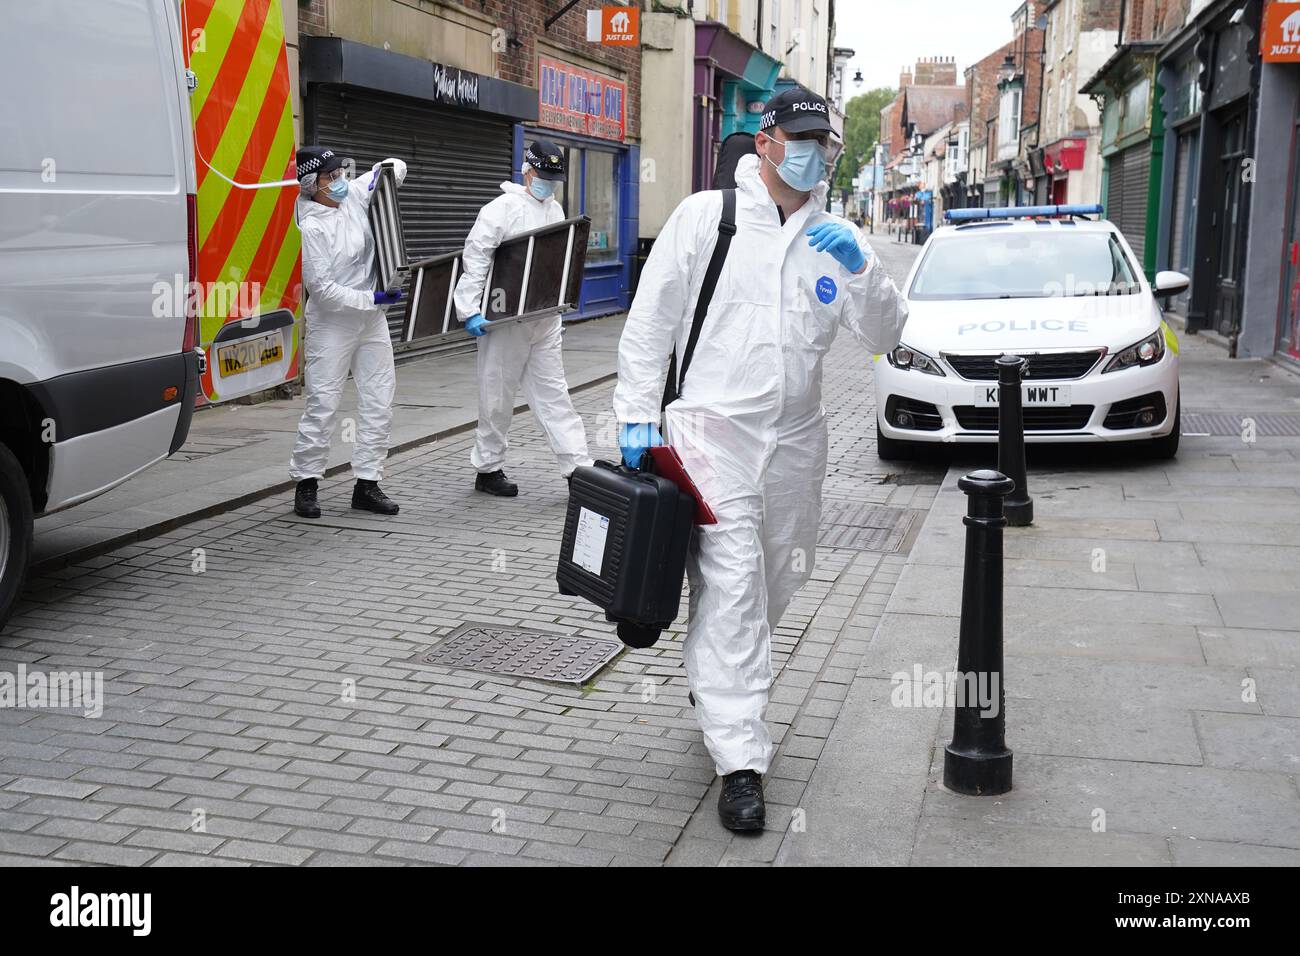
(246, 356)
(986, 395)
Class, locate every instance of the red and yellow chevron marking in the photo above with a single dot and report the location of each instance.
(243, 126)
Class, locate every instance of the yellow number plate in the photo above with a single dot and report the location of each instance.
(246, 356)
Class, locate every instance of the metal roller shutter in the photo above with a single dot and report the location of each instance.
(1178, 226)
(1115, 188)
(1137, 176)
(1179, 250)
(456, 161)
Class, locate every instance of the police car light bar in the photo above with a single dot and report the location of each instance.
(1021, 212)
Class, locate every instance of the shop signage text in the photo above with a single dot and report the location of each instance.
(580, 101)
(455, 87)
(1279, 41)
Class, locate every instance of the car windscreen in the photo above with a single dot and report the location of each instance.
(985, 263)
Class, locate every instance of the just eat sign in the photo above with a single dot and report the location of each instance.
(1279, 41)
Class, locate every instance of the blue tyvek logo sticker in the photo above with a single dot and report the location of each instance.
(826, 289)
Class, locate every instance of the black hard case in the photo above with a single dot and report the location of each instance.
(650, 527)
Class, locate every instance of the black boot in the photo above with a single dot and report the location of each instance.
(495, 483)
(366, 496)
(304, 499)
(741, 804)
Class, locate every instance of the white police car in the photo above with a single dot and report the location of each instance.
(1049, 284)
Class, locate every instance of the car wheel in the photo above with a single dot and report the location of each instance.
(893, 449)
(15, 531)
(1167, 447)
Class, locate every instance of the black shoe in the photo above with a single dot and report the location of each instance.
(366, 496)
(304, 499)
(495, 483)
(741, 805)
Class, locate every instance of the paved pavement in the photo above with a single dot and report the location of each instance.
(266, 700)
(1152, 638)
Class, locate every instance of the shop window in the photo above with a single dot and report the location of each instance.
(568, 192)
(601, 206)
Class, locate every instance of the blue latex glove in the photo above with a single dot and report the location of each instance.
(838, 239)
(635, 439)
(387, 298)
(477, 325)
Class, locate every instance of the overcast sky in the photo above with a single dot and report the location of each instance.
(887, 34)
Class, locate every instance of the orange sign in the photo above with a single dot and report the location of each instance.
(620, 26)
(1280, 41)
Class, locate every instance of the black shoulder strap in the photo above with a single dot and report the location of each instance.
(726, 229)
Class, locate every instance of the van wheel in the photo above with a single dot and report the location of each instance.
(893, 449)
(1167, 447)
(15, 531)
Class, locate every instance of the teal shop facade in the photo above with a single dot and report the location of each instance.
(732, 82)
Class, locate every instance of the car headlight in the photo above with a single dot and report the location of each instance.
(910, 359)
(1147, 352)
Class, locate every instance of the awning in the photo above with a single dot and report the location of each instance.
(345, 62)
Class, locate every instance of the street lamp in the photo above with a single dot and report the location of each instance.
(1007, 72)
(857, 79)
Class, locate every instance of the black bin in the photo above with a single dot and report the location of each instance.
(626, 534)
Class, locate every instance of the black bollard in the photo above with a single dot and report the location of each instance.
(1019, 507)
(977, 761)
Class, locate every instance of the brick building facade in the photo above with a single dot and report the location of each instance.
(463, 86)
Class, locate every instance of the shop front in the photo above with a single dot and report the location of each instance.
(1059, 160)
(454, 128)
(733, 81)
(1132, 146)
(1226, 144)
(584, 112)
(1179, 73)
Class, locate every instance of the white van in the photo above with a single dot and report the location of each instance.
(97, 209)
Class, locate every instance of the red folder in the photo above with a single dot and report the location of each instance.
(669, 464)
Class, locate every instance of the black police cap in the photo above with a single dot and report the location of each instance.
(317, 159)
(797, 111)
(546, 158)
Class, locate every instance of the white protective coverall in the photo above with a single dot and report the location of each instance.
(519, 352)
(345, 331)
(749, 426)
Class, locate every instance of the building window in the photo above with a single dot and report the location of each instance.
(1009, 123)
(1134, 108)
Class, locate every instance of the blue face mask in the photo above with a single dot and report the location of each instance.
(542, 189)
(338, 189)
(804, 165)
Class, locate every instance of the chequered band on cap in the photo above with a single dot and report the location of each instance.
(314, 163)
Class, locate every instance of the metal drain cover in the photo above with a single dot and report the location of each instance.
(536, 655)
(1234, 423)
(846, 524)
